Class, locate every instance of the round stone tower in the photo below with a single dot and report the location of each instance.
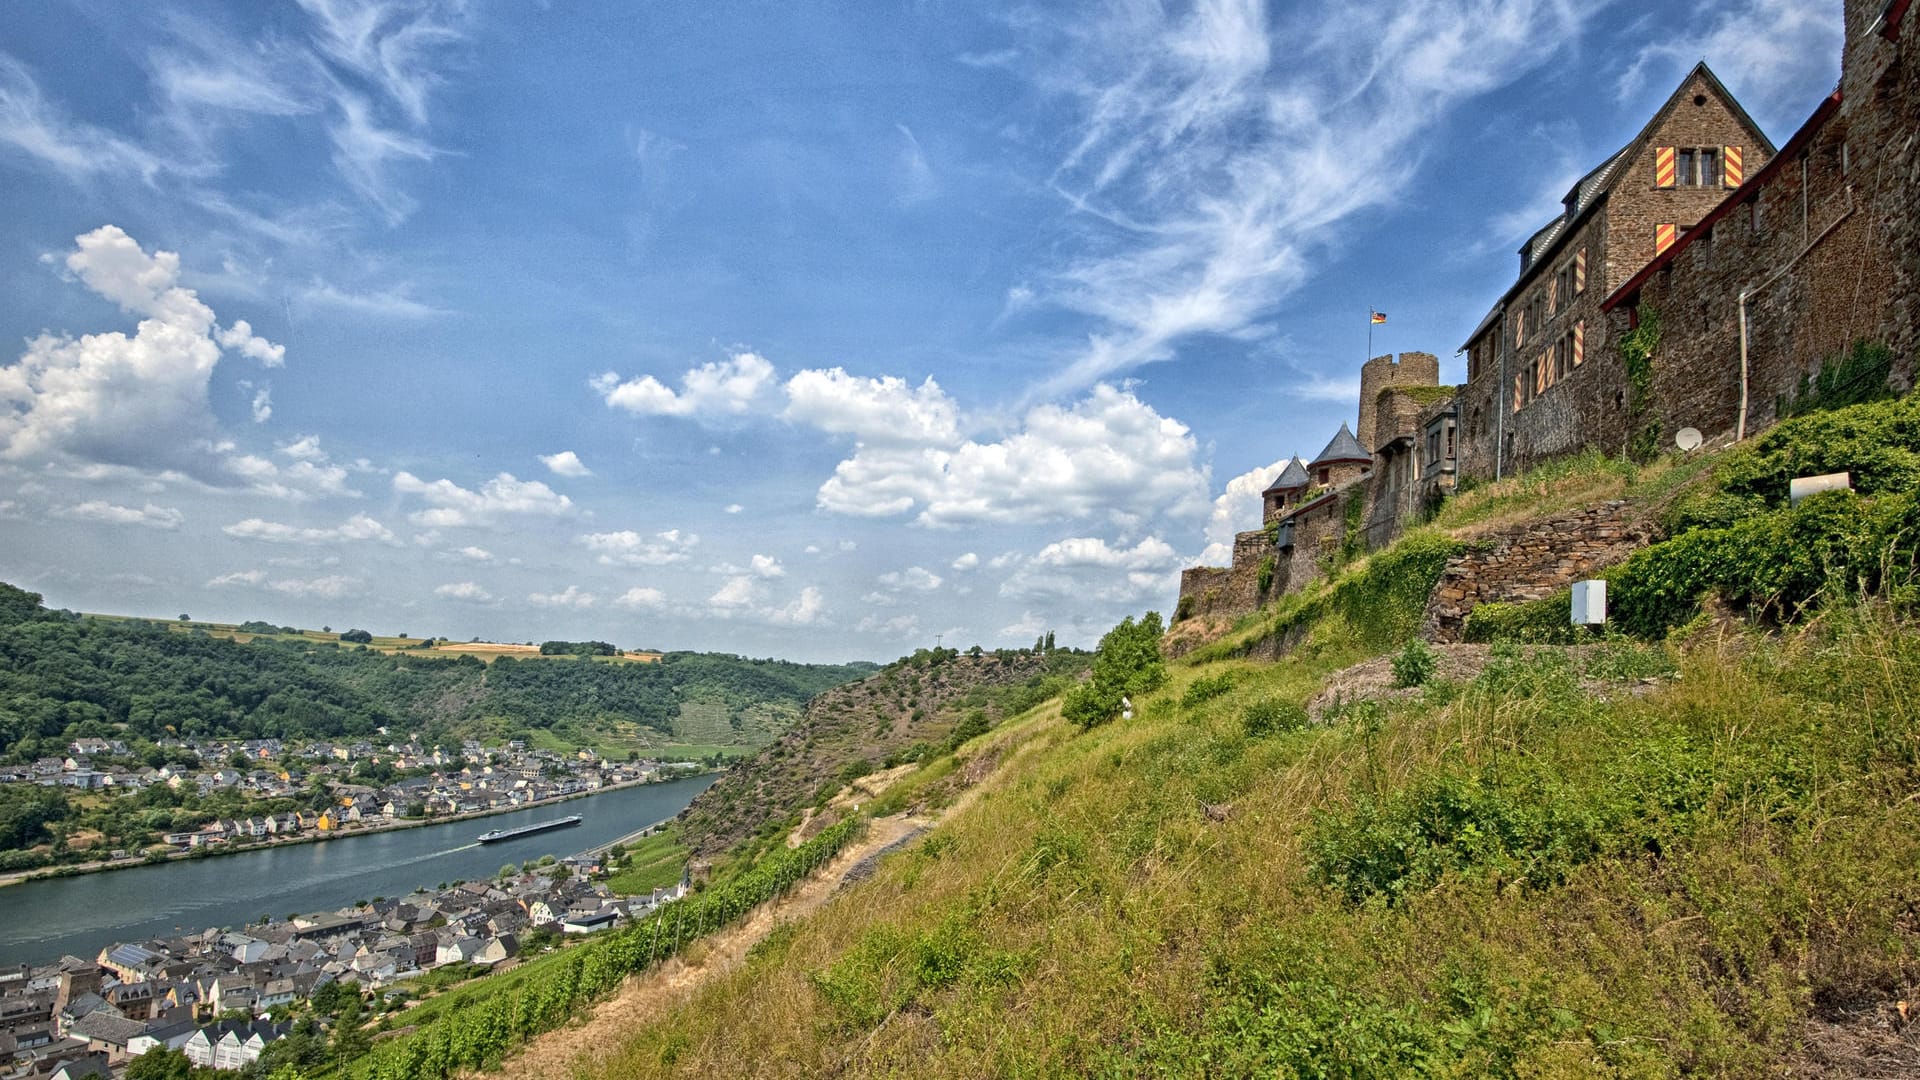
(1377, 374)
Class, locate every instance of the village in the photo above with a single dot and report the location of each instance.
(318, 789)
(222, 996)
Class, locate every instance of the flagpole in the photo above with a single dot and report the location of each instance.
(1369, 355)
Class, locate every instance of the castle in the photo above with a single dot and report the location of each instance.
(1742, 265)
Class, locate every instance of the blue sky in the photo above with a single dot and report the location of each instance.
(810, 330)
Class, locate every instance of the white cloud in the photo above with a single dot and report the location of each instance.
(730, 387)
(137, 401)
(463, 590)
(917, 578)
(1212, 162)
(1778, 55)
(1029, 624)
(745, 596)
(151, 516)
(767, 566)
(241, 338)
(454, 506)
(734, 508)
(642, 598)
(76, 149)
(807, 609)
(565, 463)
(967, 561)
(899, 627)
(359, 527)
(477, 554)
(1109, 455)
(330, 587)
(1085, 568)
(393, 303)
(366, 153)
(878, 410)
(390, 46)
(262, 405)
(629, 548)
(1235, 510)
(571, 597)
(305, 448)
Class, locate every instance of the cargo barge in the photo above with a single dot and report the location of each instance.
(528, 830)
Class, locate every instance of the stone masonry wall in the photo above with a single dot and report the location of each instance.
(1380, 373)
(1531, 562)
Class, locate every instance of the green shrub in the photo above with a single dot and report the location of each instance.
(1832, 546)
(1415, 664)
(1527, 622)
(1206, 688)
(1126, 664)
(1272, 716)
(1879, 444)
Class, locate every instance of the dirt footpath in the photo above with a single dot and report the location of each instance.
(558, 1054)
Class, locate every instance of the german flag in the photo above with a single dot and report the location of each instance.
(1377, 317)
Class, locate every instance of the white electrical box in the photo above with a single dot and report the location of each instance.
(1802, 486)
(1589, 603)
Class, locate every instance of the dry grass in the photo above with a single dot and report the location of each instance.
(1085, 914)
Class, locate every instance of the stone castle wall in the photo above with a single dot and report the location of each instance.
(1532, 562)
(1380, 373)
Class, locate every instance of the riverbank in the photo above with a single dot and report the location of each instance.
(47, 873)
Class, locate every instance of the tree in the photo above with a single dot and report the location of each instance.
(358, 637)
(1127, 663)
(160, 1063)
(184, 617)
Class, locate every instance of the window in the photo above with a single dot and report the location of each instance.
(1697, 167)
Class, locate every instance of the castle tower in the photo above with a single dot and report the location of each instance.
(1410, 369)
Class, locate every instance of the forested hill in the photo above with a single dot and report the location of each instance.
(916, 709)
(64, 676)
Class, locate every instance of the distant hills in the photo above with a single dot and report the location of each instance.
(65, 676)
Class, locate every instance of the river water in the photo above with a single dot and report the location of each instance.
(41, 920)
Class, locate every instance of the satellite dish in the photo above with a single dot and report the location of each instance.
(1687, 438)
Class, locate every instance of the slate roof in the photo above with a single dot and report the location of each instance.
(1292, 478)
(1344, 447)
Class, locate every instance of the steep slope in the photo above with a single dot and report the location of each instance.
(909, 711)
(1643, 857)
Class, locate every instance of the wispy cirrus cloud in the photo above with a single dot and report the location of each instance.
(1208, 170)
(1778, 55)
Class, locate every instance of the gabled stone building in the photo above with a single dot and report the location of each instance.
(1531, 392)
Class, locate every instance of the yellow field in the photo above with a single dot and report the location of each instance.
(485, 650)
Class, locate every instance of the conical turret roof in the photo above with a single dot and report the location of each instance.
(1344, 447)
(1292, 478)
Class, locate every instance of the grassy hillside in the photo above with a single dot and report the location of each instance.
(1645, 857)
(909, 711)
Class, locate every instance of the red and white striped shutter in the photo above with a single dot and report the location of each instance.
(1730, 157)
(1580, 271)
(1553, 294)
(1540, 374)
(1579, 343)
(1518, 382)
(1520, 328)
(1663, 235)
(1663, 167)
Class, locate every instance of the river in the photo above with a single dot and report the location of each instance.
(42, 920)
